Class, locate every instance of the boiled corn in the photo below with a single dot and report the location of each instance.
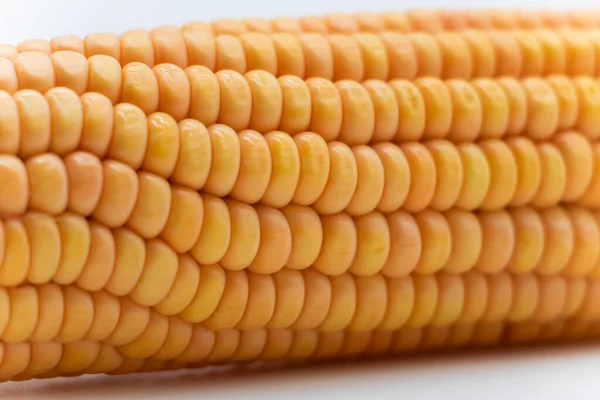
(336, 187)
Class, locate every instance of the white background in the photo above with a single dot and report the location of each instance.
(546, 374)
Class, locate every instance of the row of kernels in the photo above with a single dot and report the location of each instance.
(70, 314)
(67, 249)
(192, 45)
(194, 347)
(276, 170)
(387, 56)
(401, 111)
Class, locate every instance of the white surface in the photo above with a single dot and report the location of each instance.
(554, 374)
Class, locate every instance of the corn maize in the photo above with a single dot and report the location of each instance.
(298, 189)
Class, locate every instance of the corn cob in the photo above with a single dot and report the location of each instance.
(321, 188)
